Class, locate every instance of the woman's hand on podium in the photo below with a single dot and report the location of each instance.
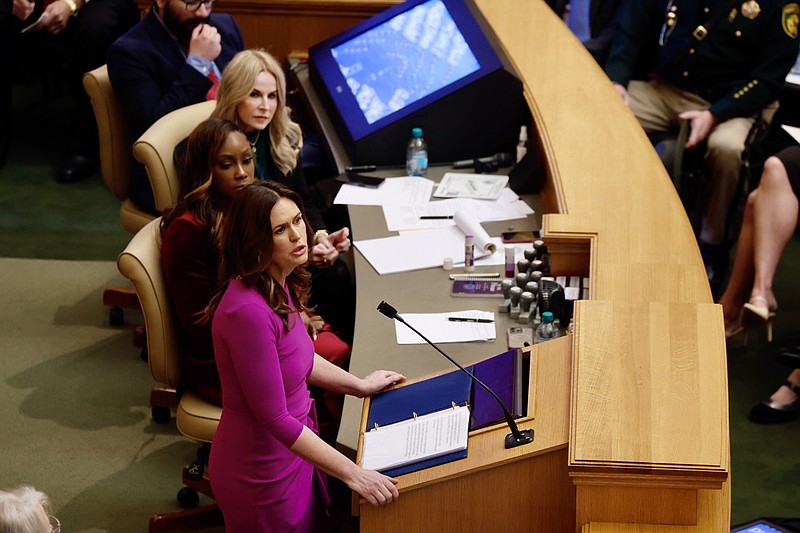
(379, 380)
(373, 486)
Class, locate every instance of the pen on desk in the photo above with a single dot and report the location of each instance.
(362, 168)
(476, 275)
(467, 319)
(436, 217)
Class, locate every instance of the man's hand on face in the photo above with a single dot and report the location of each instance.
(205, 42)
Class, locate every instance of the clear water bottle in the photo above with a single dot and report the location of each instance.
(547, 329)
(417, 154)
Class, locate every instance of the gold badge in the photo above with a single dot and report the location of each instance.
(751, 9)
(790, 17)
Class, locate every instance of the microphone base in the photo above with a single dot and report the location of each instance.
(525, 437)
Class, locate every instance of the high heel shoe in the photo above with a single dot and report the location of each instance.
(756, 316)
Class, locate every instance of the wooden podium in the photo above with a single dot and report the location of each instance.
(631, 412)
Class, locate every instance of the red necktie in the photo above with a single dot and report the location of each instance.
(212, 92)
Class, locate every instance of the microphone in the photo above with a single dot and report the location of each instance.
(513, 439)
(500, 159)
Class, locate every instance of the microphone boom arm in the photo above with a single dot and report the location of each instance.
(516, 437)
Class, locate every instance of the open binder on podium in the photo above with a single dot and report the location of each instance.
(437, 395)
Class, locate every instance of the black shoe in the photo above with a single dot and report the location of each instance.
(716, 258)
(769, 412)
(77, 167)
(790, 356)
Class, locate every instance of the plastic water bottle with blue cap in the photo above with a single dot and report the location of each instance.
(417, 154)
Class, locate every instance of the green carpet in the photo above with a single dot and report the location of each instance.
(43, 219)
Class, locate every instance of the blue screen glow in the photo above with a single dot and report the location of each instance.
(404, 59)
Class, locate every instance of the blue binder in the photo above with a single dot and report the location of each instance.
(423, 397)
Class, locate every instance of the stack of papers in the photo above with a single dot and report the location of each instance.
(476, 198)
(426, 249)
(416, 439)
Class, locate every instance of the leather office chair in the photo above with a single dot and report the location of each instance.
(154, 150)
(116, 162)
(140, 262)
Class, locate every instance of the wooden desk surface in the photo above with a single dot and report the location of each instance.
(648, 414)
(649, 382)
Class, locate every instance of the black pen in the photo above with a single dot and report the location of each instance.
(362, 168)
(436, 217)
(466, 319)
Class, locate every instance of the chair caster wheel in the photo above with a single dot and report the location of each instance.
(161, 415)
(116, 316)
(188, 498)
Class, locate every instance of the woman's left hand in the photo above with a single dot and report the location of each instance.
(379, 380)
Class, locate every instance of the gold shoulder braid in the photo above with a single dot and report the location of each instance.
(790, 17)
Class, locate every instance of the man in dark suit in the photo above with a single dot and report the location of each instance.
(171, 59)
(77, 33)
(600, 20)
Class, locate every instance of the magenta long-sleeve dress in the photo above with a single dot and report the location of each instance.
(259, 483)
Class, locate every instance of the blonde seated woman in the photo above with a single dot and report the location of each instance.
(252, 94)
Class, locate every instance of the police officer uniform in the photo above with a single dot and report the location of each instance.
(727, 56)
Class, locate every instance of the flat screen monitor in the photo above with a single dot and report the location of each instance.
(399, 62)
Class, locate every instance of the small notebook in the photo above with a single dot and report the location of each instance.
(477, 287)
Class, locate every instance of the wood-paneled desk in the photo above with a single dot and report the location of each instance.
(630, 413)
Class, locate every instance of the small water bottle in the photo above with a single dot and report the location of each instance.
(547, 328)
(417, 154)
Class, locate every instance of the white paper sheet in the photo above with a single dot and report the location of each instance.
(409, 190)
(439, 329)
(486, 186)
(407, 217)
(427, 248)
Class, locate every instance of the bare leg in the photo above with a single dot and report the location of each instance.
(741, 280)
(774, 221)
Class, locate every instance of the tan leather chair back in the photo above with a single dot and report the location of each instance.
(154, 150)
(116, 137)
(140, 262)
(114, 129)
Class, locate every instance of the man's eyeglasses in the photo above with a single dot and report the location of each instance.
(194, 5)
(55, 525)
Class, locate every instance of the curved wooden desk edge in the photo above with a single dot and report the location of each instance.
(649, 379)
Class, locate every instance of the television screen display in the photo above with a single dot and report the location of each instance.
(430, 64)
(404, 59)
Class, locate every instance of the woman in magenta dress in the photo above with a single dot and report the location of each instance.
(267, 463)
(214, 165)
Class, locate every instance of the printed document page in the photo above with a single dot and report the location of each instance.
(416, 439)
